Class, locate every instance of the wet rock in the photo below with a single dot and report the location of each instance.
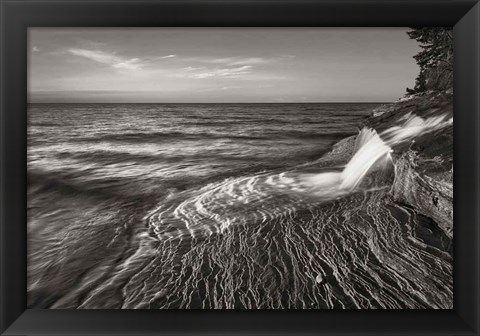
(424, 186)
(424, 167)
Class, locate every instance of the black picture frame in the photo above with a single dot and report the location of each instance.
(18, 15)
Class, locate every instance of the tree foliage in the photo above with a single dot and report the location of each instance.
(436, 57)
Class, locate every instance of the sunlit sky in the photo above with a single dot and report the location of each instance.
(220, 64)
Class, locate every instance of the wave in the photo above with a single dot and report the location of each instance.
(217, 206)
(320, 235)
(156, 137)
(45, 124)
(413, 126)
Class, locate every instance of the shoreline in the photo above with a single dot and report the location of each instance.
(423, 179)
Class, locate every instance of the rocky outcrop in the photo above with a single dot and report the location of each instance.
(341, 152)
(424, 167)
(429, 193)
(425, 105)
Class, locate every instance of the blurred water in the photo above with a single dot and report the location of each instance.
(140, 149)
(215, 206)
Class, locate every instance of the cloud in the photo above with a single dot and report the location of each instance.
(115, 61)
(190, 68)
(245, 72)
(220, 88)
(232, 61)
(35, 49)
(231, 87)
(221, 68)
(201, 73)
(110, 59)
(237, 67)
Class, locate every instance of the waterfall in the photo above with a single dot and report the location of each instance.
(413, 126)
(261, 197)
(372, 149)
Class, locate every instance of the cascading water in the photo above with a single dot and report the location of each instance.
(370, 149)
(216, 207)
(264, 240)
(413, 126)
(238, 238)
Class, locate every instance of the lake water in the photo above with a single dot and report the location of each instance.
(205, 206)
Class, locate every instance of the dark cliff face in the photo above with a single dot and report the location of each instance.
(428, 104)
(421, 183)
(424, 167)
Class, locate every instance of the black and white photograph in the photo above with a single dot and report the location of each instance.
(240, 168)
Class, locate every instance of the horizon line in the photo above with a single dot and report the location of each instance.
(253, 102)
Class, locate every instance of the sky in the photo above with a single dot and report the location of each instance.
(215, 65)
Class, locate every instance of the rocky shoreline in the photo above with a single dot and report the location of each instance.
(424, 166)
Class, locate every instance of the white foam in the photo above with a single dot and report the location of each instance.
(215, 207)
(414, 126)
